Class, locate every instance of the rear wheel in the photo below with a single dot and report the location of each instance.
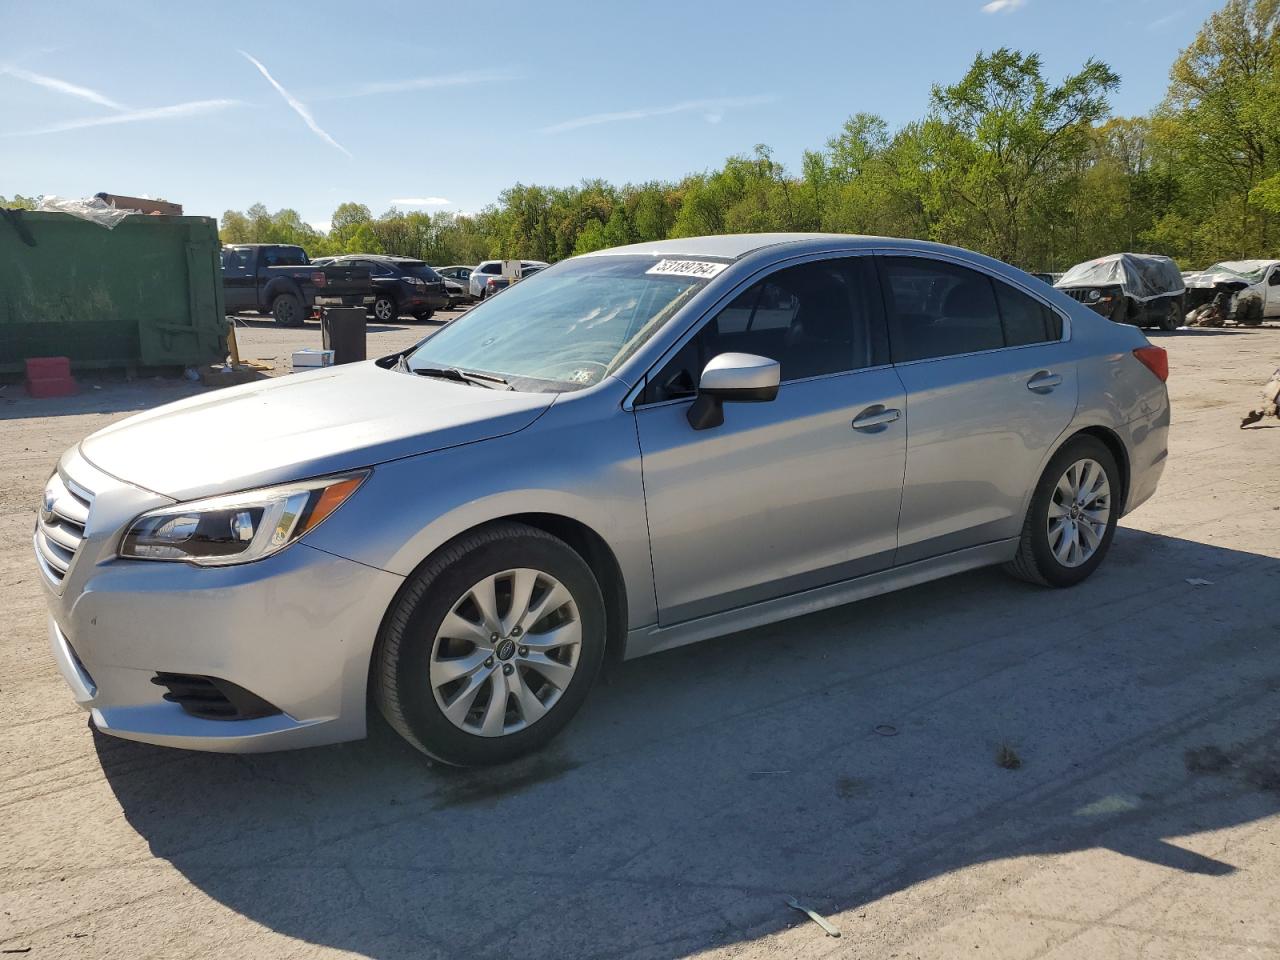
(286, 310)
(491, 647)
(1072, 518)
(1173, 317)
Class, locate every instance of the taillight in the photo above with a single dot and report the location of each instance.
(319, 279)
(1155, 359)
(492, 282)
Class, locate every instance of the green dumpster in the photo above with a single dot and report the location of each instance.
(147, 293)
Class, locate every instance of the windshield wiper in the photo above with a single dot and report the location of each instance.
(486, 380)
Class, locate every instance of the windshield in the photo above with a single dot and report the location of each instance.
(1248, 271)
(568, 327)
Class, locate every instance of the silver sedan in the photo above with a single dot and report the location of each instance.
(633, 450)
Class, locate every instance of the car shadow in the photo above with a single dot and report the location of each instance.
(97, 393)
(839, 758)
(1211, 331)
(266, 323)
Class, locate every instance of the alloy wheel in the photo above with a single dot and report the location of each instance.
(506, 652)
(1079, 512)
(383, 310)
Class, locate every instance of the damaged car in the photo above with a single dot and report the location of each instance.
(1142, 289)
(1244, 291)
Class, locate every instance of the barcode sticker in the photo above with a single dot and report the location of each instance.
(702, 269)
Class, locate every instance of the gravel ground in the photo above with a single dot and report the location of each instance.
(704, 786)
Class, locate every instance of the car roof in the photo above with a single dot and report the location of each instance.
(735, 246)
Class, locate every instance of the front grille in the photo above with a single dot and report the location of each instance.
(60, 527)
(212, 698)
(1076, 295)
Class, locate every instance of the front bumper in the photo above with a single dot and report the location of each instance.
(296, 629)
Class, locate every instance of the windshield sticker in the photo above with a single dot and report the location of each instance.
(702, 269)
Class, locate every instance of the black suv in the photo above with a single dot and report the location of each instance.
(401, 285)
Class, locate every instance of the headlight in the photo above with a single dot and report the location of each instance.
(1095, 296)
(239, 527)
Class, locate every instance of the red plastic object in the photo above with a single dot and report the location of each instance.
(50, 377)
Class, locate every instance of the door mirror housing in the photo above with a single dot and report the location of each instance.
(733, 378)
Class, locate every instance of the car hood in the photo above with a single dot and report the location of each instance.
(1202, 281)
(302, 425)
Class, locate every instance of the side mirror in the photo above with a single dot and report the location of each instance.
(733, 378)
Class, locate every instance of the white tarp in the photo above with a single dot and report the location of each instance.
(1142, 276)
(94, 209)
(1231, 271)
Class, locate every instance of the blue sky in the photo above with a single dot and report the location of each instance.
(441, 106)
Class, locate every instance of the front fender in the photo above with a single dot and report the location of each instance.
(569, 463)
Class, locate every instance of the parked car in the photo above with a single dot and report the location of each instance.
(1252, 288)
(280, 280)
(630, 451)
(457, 281)
(401, 286)
(1138, 288)
(487, 278)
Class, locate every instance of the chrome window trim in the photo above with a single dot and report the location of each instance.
(631, 401)
(1015, 284)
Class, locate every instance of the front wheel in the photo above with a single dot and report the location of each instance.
(1072, 517)
(1172, 318)
(491, 647)
(384, 310)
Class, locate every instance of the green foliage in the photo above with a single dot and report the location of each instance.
(19, 202)
(1007, 161)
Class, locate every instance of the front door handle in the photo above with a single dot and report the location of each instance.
(873, 417)
(1043, 382)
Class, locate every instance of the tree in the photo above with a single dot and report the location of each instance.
(1221, 119)
(1003, 143)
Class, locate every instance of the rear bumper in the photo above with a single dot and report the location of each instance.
(1148, 446)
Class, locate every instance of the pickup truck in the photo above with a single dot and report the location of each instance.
(279, 279)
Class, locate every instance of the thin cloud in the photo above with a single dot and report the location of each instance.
(298, 106)
(63, 86)
(419, 83)
(1003, 6)
(1166, 20)
(188, 109)
(420, 202)
(713, 109)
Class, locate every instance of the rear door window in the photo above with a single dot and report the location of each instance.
(939, 309)
(286, 257)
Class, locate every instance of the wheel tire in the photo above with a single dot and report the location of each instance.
(425, 314)
(1172, 318)
(385, 310)
(1248, 311)
(1035, 561)
(286, 309)
(402, 658)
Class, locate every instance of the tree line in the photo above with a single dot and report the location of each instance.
(1005, 161)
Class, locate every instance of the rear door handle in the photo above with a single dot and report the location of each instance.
(1043, 382)
(876, 416)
